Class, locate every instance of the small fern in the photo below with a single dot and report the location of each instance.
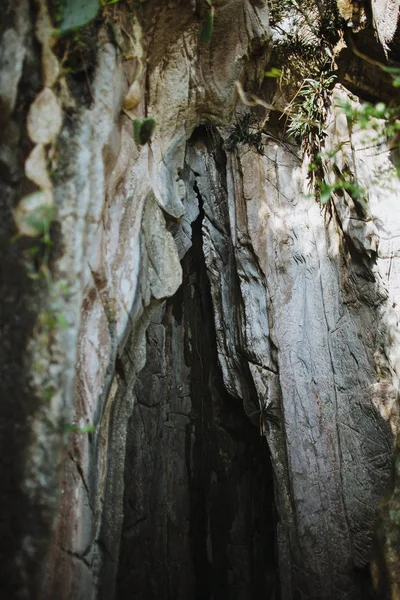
(245, 131)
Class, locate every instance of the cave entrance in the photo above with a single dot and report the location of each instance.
(198, 502)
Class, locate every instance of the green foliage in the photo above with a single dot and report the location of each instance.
(307, 115)
(306, 15)
(48, 393)
(71, 428)
(274, 73)
(40, 220)
(380, 117)
(34, 214)
(296, 51)
(305, 35)
(137, 124)
(305, 52)
(207, 27)
(362, 115)
(395, 73)
(143, 130)
(51, 320)
(72, 14)
(245, 131)
(302, 34)
(367, 116)
(341, 183)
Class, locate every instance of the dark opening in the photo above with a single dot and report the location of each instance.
(199, 516)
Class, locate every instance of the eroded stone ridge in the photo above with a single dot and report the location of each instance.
(231, 348)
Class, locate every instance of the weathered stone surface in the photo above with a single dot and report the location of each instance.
(313, 290)
(353, 12)
(285, 326)
(385, 15)
(44, 118)
(36, 168)
(289, 303)
(386, 546)
(124, 261)
(197, 476)
(13, 47)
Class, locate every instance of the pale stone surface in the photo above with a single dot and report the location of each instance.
(34, 214)
(36, 167)
(12, 55)
(120, 260)
(327, 361)
(44, 118)
(299, 333)
(133, 97)
(385, 16)
(315, 309)
(304, 305)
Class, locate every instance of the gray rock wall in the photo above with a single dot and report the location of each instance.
(293, 288)
(275, 359)
(302, 311)
(117, 202)
(198, 496)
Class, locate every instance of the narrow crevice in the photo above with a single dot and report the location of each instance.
(216, 466)
(83, 479)
(77, 556)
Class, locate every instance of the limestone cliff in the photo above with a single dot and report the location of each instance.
(200, 360)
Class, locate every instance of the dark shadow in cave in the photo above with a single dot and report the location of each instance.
(198, 502)
(231, 490)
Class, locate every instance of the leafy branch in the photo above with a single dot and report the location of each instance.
(245, 131)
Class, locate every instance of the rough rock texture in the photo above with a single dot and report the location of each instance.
(317, 302)
(289, 310)
(285, 325)
(385, 18)
(198, 499)
(125, 260)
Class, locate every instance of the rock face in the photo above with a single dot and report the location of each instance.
(274, 261)
(210, 372)
(198, 499)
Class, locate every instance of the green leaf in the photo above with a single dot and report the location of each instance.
(147, 130)
(143, 130)
(326, 191)
(71, 428)
(34, 214)
(379, 110)
(274, 72)
(207, 27)
(87, 429)
(137, 124)
(64, 288)
(47, 321)
(33, 250)
(394, 70)
(62, 321)
(48, 393)
(77, 13)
